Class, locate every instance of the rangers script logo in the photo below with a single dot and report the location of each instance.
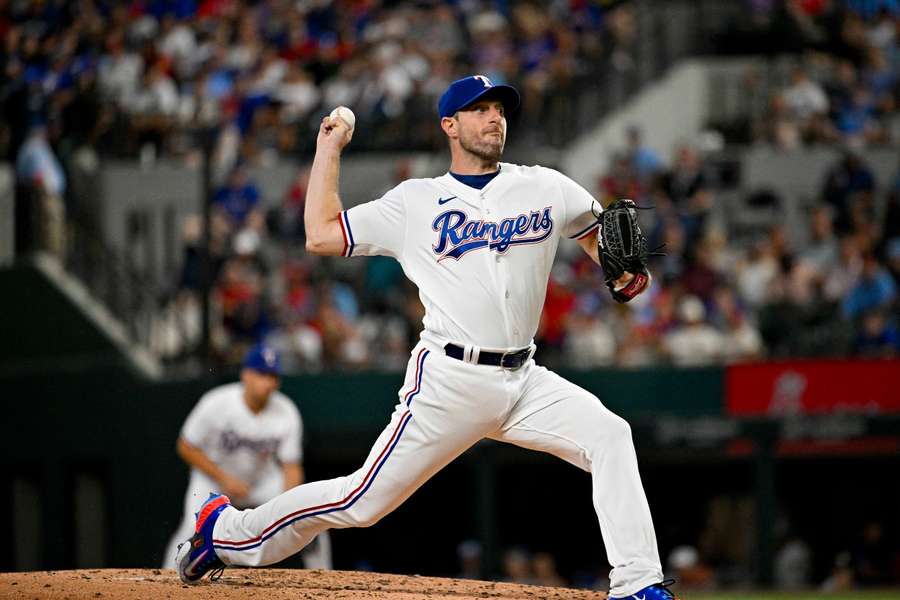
(458, 235)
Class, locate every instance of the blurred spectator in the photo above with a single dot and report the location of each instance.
(558, 306)
(875, 289)
(878, 336)
(822, 250)
(780, 243)
(621, 181)
(807, 103)
(688, 188)
(872, 557)
(892, 254)
(793, 565)
(779, 126)
(701, 277)
(645, 162)
(756, 273)
(589, 340)
(544, 567)
(298, 93)
(856, 119)
(796, 318)
(517, 566)
(694, 342)
(119, 70)
(177, 329)
(237, 198)
(741, 340)
(240, 296)
(37, 165)
(670, 266)
(41, 179)
(686, 180)
(636, 343)
(844, 274)
(286, 221)
(153, 108)
(469, 555)
(882, 31)
(847, 179)
(805, 97)
(869, 8)
(689, 570)
(841, 577)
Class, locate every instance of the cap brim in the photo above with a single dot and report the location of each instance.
(506, 94)
(264, 371)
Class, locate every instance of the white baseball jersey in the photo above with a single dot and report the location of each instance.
(466, 248)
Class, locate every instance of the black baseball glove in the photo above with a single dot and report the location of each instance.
(623, 247)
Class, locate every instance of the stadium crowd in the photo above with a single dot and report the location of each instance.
(146, 79)
(149, 78)
(845, 89)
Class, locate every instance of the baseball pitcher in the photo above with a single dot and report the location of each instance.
(479, 242)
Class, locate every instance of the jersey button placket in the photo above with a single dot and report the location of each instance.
(501, 280)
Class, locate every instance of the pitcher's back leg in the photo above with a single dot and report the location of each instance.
(556, 416)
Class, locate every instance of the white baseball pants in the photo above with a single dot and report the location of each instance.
(447, 405)
(315, 556)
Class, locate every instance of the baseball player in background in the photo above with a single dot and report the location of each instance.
(479, 241)
(244, 439)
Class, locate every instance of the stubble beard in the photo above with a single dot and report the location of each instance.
(483, 150)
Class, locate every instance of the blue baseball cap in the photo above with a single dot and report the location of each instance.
(463, 92)
(264, 359)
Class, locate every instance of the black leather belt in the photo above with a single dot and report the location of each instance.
(507, 360)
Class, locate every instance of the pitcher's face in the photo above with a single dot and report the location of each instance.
(482, 129)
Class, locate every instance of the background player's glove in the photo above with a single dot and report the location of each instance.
(623, 248)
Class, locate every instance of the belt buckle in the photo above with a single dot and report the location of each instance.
(503, 360)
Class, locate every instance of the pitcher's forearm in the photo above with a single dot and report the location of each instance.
(323, 203)
(321, 216)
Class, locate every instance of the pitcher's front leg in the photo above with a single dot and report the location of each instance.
(402, 459)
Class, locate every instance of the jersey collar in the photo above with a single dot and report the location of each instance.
(469, 194)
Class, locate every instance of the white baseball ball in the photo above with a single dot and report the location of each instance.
(346, 114)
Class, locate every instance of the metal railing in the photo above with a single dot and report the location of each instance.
(130, 295)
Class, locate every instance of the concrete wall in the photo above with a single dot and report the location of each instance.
(800, 174)
(672, 109)
(677, 108)
(143, 209)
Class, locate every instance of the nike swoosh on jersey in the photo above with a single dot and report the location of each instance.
(445, 200)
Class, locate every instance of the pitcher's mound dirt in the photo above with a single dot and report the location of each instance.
(265, 584)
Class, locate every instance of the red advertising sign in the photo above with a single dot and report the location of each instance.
(813, 387)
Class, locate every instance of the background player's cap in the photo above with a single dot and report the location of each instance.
(264, 359)
(467, 90)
